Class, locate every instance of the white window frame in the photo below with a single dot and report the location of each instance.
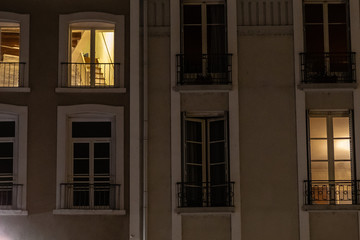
(24, 21)
(89, 112)
(18, 114)
(92, 20)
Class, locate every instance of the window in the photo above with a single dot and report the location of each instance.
(331, 161)
(90, 173)
(14, 37)
(205, 170)
(204, 58)
(91, 50)
(327, 56)
(12, 159)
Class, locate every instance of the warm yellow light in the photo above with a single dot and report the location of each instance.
(342, 149)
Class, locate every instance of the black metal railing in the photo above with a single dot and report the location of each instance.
(90, 75)
(10, 196)
(90, 196)
(328, 67)
(331, 192)
(12, 74)
(205, 194)
(209, 69)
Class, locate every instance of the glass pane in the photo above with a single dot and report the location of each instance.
(104, 57)
(80, 46)
(81, 166)
(192, 49)
(318, 127)
(217, 130)
(10, 44)
(193, 153)
(343, 170)
(216, 39)
(217, 152)
(318, 149)
(342, 149)
(102, 166)
(341, 127)
(7, 129)
(6, 150)
(102, 150)
(314, 38)
(313, 13)
(338, 38)
(6, 167)
(91, 129)
(193, 173)
(337, 13)
(193, 131)
(81, 150)
(319, 171)
(192, 14)
(215, 14)
(217, 174)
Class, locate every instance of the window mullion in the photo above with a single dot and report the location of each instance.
(330, 137)
(92, 58)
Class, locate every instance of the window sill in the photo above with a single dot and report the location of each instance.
(88, 212)
(13, 213)
(324, 207)
(204, 210)
(327, 86)
(203, 88)
(90, 90)
(14, 89)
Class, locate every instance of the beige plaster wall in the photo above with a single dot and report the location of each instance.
(159, 159)
(209, 227)
(322, 225)
(329, 100)
(204, 102)
(268, 165)
(42, 104)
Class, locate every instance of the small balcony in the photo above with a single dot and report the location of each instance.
(328, 67)
(90, 75)
(85, 196)
(12, 74)
(10, 196)
(205, 69)
(205, 194)
(331, 192)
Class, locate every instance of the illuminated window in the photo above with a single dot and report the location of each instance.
(205, 171)
(331, 158)
(204, 58)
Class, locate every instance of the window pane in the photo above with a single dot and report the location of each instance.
(319, 171)
(91, 129)
(338, 38)
(217, 130)
(341, 127)
(102, 150)
(342, 149)
(343, 170)
(6, 150)
(318, 149)
(318, 127)
(102, 166)
(10, 44)
(7, 129)
(215, 14)
(216, 39)
(81, 166)
(81, 150)
(192, 49)
(192, 14)
(217, 174)
(314, 38)
(80, 46)
(194, 153)
(104, 57)
(193, 173)
(313, 13)
(337, 13)
(6, 167)
(193, 131)
(217, 152)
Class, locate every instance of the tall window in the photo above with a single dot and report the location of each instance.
(331, 157)
(10, 54)
(204, 57)
(327, 42)
(205, 171)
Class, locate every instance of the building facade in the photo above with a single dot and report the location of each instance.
(181, 119)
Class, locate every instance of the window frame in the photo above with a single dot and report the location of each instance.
(88, 113)
(24, 21)
(92, 20)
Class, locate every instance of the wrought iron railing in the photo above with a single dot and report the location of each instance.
(90, 75)
(209, 69)
(83, 195)
(10, 196)
(12, 74)
(331, 192)
(328, 67)
(205, 194)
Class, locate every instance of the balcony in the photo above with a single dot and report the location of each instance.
(10, 196)
(331, 192)
(328, 67)
(12, 74)
(205, 194)
(90, 75)
(85, 196)
(206, 69)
